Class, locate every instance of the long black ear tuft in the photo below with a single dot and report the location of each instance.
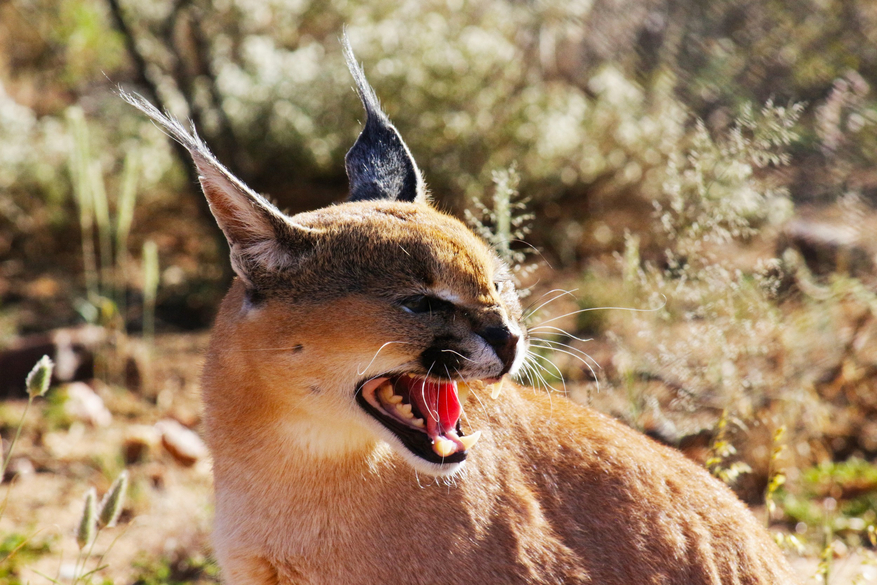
(379, 165)
(262, 239)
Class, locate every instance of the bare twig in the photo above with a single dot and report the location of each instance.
(143, 79)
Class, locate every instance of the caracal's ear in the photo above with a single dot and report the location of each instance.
(379, 165)
(262, 239)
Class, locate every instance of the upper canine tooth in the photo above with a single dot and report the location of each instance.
(444, 447)
(462, 391)
(470, 440)
(495, 389)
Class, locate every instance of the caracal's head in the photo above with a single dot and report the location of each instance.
(377, 313)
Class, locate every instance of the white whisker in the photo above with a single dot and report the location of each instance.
(571, 351)
(537, 379)
(631, 309)
(359, 389)
(559, 330)
(529, 371)
(545, 386)
(587, 363)
(535, 249)
(473, 392)
(528, 312)
(459, 354)
(544, 369)
(374, 357)
(547, 371)
(523, 375)
(423, 395)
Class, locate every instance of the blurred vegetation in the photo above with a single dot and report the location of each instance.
(591, 101)
(664, 152)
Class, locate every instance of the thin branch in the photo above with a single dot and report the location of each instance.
(142, 78)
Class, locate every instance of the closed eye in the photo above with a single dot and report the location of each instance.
(419, 304)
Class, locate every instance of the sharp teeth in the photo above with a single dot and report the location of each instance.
(387, 395)
(444, 447)
(418, 422)
(462, 391)
(470, 440)
(404, 410)
(495, 389)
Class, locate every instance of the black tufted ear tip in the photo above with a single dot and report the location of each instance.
(379, 165)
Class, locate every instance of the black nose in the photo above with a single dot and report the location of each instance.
(503, 342)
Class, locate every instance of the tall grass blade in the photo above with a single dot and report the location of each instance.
(88, 522)
(124, 218)
(79, 171)
(150, 289)
(104, 229)
(114, 500)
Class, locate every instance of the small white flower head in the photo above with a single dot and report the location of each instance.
(88, 523)
(39, 377)
(114, 500)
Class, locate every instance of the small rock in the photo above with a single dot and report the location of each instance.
(183, 444)
(69, 571)
(139, 441)
(83, 404)
(827, 247)
(72, 350)
(20, 466)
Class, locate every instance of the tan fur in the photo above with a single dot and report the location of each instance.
(553, 493)
(312, 488)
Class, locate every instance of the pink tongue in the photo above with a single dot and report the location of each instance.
(439, 404)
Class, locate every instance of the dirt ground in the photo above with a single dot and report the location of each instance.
(164, 529)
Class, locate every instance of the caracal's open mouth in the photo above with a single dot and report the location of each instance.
(423, 413)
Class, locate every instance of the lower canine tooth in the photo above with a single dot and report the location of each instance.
(462, 391)
(470, 440)
(495, 389)
(444, 447)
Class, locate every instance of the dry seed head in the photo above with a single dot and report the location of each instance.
(39, 377)
(778, 434)
(114, 499)
(88, 523)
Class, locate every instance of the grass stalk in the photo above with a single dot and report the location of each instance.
(150, 289)
(775, 476)
(79, 170)
(124, 218)
(104, 229)
(15, 437)
(37, 384)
